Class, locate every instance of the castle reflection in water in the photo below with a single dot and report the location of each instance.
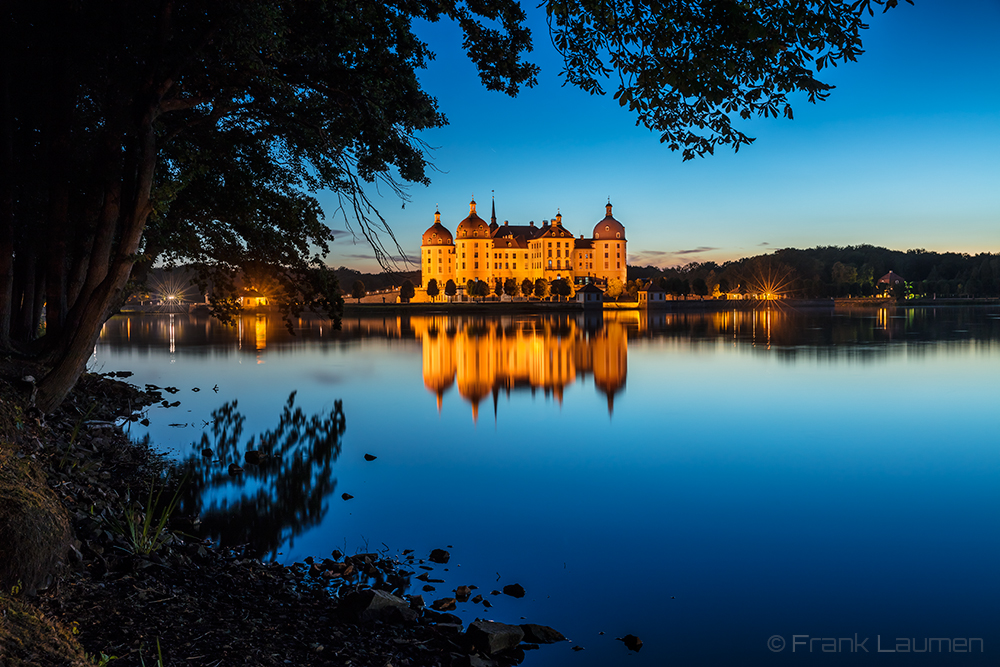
(486, 355)
(489, 356)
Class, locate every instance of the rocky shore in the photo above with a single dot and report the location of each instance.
(90, 573)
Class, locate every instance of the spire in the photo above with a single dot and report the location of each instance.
(608, 207)
(472, 205)
(437, 214)
(493, 217)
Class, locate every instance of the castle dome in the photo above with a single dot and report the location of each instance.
(609, 228)
(473, 226)
(437, 234)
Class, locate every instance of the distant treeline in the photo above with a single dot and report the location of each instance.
(374, 282)
(833, 271)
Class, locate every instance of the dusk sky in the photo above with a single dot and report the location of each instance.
(903, 155)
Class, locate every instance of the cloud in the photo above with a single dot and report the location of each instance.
(341, 233)
(763, 243)
(654, 253)
(695, 251)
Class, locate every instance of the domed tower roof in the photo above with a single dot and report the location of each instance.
(473, 226)
(437, 234)
(609, 228)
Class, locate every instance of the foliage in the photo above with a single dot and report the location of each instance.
(450, 288)
(358, 290)
(687, 68)
(406, 291)
(145, 528)
(832, 271)
(498, 287)
(527, 287)
(615, 288)
(511, 287)
(561, 288)
(432, 288)
(477, 288)
(541, 288)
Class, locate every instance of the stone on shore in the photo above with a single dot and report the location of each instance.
(514, 590)
(490, 637)
(439, 556)
(541, 634)
(375, 605)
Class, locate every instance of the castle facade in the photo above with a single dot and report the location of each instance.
(489, 251)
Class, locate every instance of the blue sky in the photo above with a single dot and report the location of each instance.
(905, 154)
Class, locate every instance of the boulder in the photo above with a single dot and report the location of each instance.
(514, 590)
(372, 605)
(541, 634)
(439, 556)
(490, 637)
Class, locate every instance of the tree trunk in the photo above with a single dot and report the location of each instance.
(77, 345)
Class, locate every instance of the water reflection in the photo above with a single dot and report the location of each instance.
(485, 356)
(285, 484)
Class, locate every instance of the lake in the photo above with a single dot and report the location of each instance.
(734, 488)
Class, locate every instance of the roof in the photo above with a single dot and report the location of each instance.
(609, 228)
(891, 278)
(437, 234)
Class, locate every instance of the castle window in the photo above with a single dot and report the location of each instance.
(550, 263)
(618, 234)
(463, 266)
(515, 266)
(477, 265)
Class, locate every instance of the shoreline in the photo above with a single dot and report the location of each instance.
(196, 602)
(546, 307)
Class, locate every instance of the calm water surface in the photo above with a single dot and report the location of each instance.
(703, 481)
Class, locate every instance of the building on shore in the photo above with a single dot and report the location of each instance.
(490, 251)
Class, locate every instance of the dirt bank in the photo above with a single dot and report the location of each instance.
(103, 582)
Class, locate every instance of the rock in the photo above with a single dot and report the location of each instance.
(439, 556)
(541, 634)
(444, 604)
(205, 452)
(346, 496)
(487, 604)
(336, 554)
(416, 601)
(477, 599)
(631, 642)
(462, 593)
(514, 590)
(370, 457)
(234, 469)
(579, 648)
(428, 588)
(371, 605)
(254, 457)
(490, 637)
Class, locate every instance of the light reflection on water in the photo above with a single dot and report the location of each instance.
(775, 471)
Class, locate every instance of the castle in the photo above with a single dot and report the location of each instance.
(490, 251)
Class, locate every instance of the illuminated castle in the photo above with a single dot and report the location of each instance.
(490, 251)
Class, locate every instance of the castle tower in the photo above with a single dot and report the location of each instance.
(437, 255)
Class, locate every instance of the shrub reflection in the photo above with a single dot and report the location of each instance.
(283, 489)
